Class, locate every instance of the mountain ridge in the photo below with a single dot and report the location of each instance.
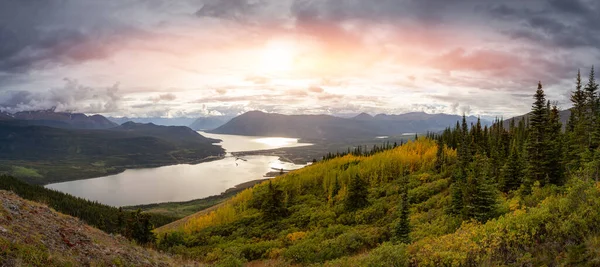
(258, 123)
(65, 120)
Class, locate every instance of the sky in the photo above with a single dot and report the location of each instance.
(191, 58)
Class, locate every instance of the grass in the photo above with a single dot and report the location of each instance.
(23, 172)
(186, 208)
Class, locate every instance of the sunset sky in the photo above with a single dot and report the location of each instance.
(223, 57)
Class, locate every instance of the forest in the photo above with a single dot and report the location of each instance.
(527, 195)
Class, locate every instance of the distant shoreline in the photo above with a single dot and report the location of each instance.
(121, 169)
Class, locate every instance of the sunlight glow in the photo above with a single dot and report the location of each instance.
(276, 141)
(278, 56)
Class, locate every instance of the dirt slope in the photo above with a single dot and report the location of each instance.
(32, 234)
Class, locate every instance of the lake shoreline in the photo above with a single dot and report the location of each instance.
(121, 169)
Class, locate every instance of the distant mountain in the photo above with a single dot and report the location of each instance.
(564, 118)
(258, 123)
(60, 119)
(181, 135)
(68, 154)
(209, 123)
(179, 121)
(363, 117)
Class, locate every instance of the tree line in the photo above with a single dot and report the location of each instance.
(533, 151)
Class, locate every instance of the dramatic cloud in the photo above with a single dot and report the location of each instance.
(71, 97)
(212, 57)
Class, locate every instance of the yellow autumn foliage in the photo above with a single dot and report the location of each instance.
(379, 168)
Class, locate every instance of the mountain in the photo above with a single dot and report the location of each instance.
(363, 117)
(178, 121)
(64, 120)
(54, 154)
(564, 118)
(209, 123)
(256, 123)
(32, 234)
(180, 135)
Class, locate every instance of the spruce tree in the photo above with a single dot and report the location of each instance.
(554, 147)
(273, 206)
(439, 158)
(357, 194)
(577, 140)
(536, 143)
(591, 93)
(512, 172)
(456, 201)
(480, 196)
(403, 226)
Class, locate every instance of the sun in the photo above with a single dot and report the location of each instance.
(277, 56)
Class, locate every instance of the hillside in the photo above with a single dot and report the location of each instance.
(177, 121)
(32, 234)
(209, 123)
(61, 119)
(317, 224)
(180, 135)
(42, 155)
(564, 118)
(256, 123)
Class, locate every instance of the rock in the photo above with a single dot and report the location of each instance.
(3, 230)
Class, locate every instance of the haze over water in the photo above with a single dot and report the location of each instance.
(184, 181)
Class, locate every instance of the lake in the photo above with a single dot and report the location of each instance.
(185, 181)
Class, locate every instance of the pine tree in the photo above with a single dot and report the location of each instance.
(591, 93)
(577, 142)
(273, 203)
(456, 194)
(536, 144)
(439, 159)
(357, 194)
(464, 153)
(480, 196)
(403, 226)
(554, 148)
(512, 173)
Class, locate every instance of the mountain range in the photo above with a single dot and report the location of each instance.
(177, 121)
(43, 151)
(64, 120)
(209, 123)
(257, 123)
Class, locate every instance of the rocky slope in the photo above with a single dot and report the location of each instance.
(32, 234)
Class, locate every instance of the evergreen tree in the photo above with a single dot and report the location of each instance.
(554, 148)
(577, 142)
(456, 202)
(512, 172)
(439, 159)
(536, 144)
(357, 194)
(480, 196)
(403, 226)
(273, 206)
(591, 93)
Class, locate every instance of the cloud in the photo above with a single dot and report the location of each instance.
(315, 89)
(163, 97)
(71, 97)
(369, 55)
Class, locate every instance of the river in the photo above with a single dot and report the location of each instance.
(185, 181)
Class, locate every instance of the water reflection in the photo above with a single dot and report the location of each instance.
(185, 182)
